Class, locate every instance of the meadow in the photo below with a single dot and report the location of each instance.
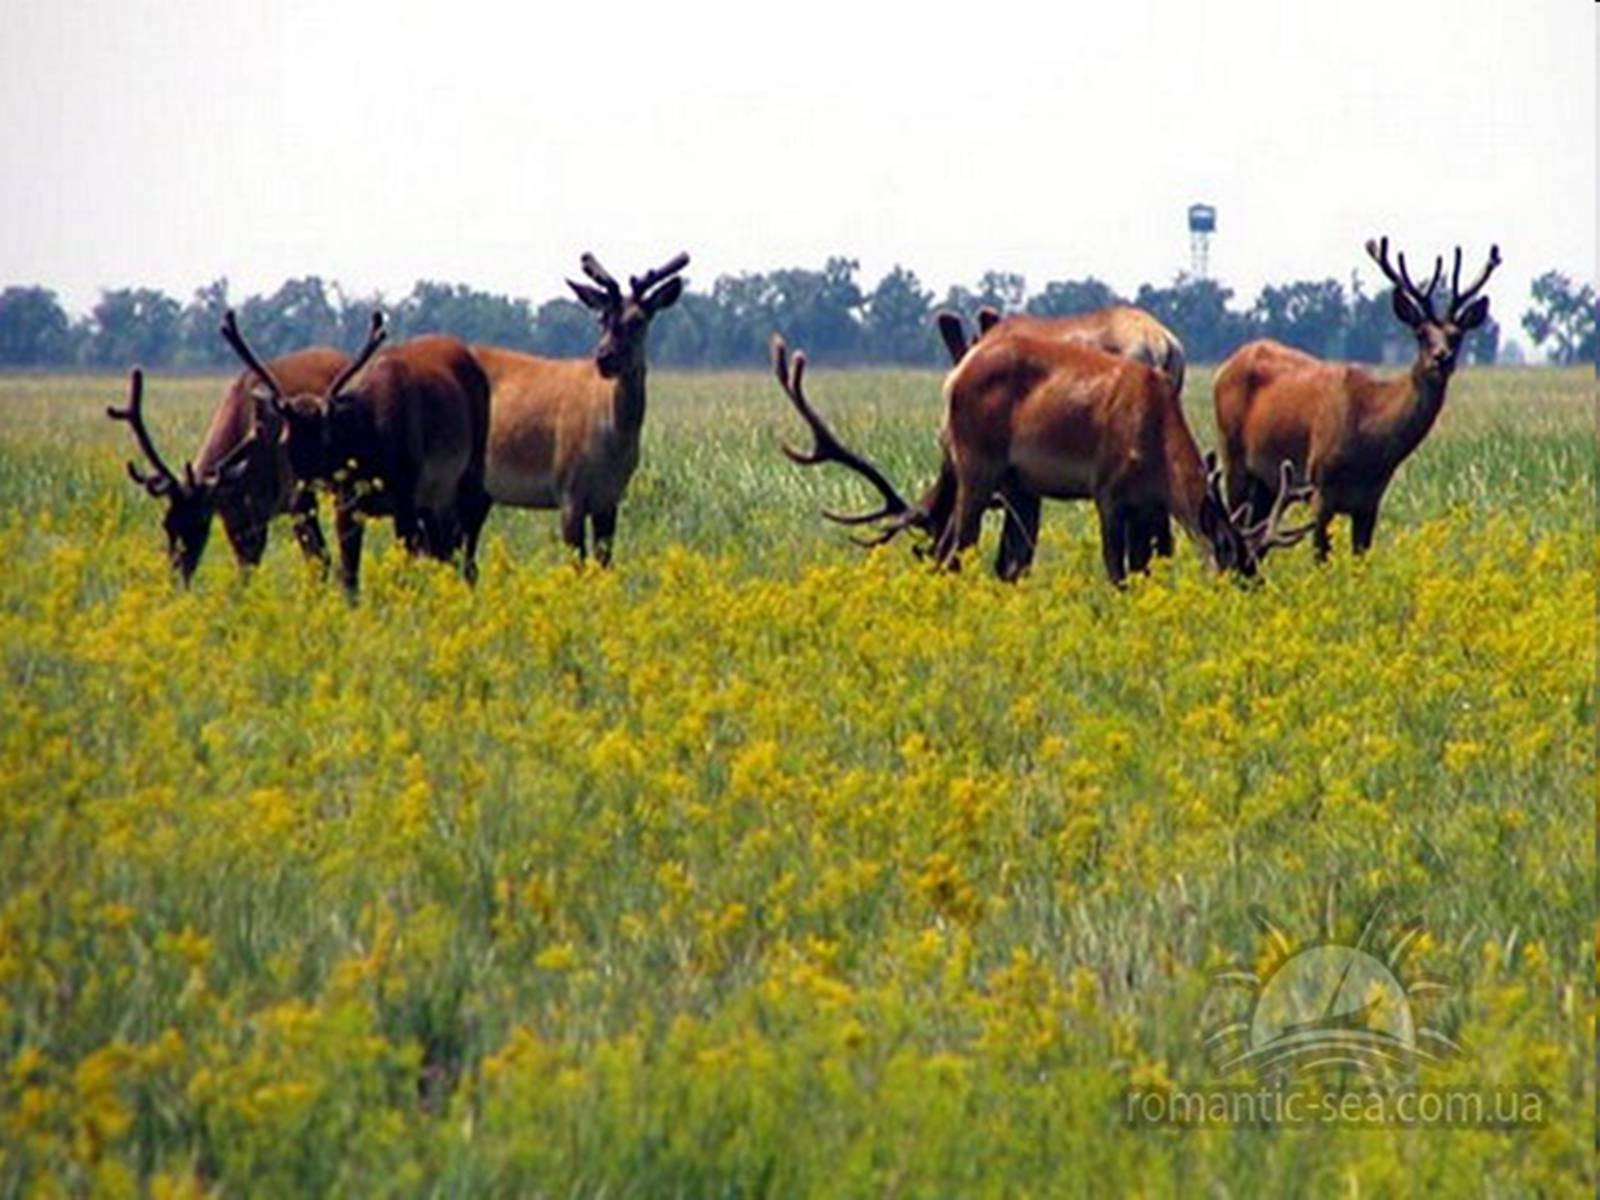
(762, 865)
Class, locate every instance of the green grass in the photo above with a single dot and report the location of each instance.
(712, 478)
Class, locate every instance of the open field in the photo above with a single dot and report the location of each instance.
(758, 865)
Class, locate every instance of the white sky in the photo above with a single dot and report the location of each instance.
(167, 142)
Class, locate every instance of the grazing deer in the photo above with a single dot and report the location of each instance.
(407, 441)
(1030, 417)
(1338, 425)
(1118, 329)
(564, 433)
(228, 477)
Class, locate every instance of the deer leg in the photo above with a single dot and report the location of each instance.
(1143, 535)
(1362, 522)
(1162, 527)
(307, 529)
(348, 529)
(1322, 515)
(475, 506)
(966, 523)
(1238, 481)
(604, 526)
(1019, 536)
(572, 526)
(1114, 541)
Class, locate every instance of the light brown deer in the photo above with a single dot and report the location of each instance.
(243, 479)
(1117, 329)
(564, 433)
(1029, 417)
(1336, 424)
(406, 441)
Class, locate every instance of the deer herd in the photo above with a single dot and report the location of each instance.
(433, 433)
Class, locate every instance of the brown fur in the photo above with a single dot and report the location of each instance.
(1337, 425)
(1029, 411)
(241, 473)
(564, 433)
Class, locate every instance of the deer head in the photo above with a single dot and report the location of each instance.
(625, 319)
(1240, 547)
(191, 500)
(1439, 336)
(313, 429)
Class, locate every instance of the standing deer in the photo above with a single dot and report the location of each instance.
(1336, 424)
(406, 441)
(1030, 417)
(1119, 329)
(241, 478)
(564, 433)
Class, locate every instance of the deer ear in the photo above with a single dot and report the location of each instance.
(1407, 309)
(664, 296)
(1474, 314)
(589, 297)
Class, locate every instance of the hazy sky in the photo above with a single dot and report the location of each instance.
(167, 142)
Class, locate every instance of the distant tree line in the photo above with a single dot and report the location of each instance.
(828, 311)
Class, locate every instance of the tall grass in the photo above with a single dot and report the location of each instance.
(760, 865)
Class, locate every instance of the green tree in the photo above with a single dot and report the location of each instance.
(898, 320)
(133, 325)
(466, 313)
(563, 329)
(1197, 311)
(1309, 315)
(1563, 314)
(34, 328)
(1068, 297)
(200, 343)
(299, 314)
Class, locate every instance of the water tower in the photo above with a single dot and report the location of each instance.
(1202, 224)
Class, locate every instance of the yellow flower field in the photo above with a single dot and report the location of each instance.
(759, 866)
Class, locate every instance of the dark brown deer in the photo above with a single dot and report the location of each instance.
(1337, 424)
(1030, 417)
(564, 433)
(237, 476)
(405, 441)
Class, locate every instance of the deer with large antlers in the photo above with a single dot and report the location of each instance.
(1031, 417)
(564, 433)
(244, 479)
(406, 441)
(1336, 424)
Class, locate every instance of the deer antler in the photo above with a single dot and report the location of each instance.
(235, 339)
(163, 482)
(640, 284)
(1459, 298)
(375, 335)
(1379, 252)
(828, 448)
(1265, 534)
(592, 268)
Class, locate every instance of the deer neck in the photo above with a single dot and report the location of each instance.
(627, 399)
(1186, 481)
(1406, 410)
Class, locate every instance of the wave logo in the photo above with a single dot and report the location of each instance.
(1328, 1007)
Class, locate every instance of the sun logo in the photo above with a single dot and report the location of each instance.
(1326, 1007)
